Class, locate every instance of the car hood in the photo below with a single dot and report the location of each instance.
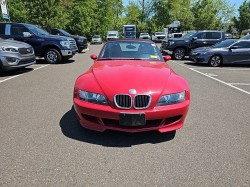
(13, 43)
(55, 37)
(178, 39)
(76, 36)
(118, 77)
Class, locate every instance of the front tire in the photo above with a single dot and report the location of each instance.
(179, 54)
(215, 61)
(52, 56)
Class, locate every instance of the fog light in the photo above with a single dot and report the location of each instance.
(12, 60)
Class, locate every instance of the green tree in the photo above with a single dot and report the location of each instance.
(242, 22)
(47, 13)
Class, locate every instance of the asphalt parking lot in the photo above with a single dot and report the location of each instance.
(43, 144)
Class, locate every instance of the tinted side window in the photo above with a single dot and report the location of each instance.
(213, 35)
(17, 30)
(2, 28)
(55, 32)
(201, 35)
(241, 45)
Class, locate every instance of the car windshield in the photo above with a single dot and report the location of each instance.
(159, 33)
(224, 44)
(189, 35)
(112, 34)
(130, 33)
(64, 32)
(130, 50)
(36, 30)
(96, 36)
(247, 37)
(143, 34)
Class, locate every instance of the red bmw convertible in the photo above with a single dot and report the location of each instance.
(131, 88)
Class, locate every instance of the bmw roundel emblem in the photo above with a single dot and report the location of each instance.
(132, 91)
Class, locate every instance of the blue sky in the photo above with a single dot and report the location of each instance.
(236, 2)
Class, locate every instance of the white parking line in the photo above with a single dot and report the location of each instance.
(230, 69)
(230, 85)
(242, 84)
(22, 74)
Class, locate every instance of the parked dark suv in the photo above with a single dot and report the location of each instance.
(52, 48)
(80, 40)
(181, 47)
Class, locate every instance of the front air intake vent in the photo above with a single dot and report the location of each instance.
(142, 101)
(123, 101)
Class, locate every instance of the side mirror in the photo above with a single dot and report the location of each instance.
(167, 58)
(194, 38)
(27, 35)
(233, 47)
(94, 57)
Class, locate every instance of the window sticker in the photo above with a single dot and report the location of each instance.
(153, 56)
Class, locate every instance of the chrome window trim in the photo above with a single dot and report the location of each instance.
(150, 99)
(123, 107)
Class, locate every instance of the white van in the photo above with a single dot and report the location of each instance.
(112, 35)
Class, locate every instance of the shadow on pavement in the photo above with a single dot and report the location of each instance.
(64, 61)
(71, 128)
(16, 72)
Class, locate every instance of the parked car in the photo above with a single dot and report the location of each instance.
(247, 37)
(229, 51)
(52, 48)
(96, 39)
(112, 35)
(131, 88)
(144, 36)
(81, 41)
(181, 47)
(158, 37)
(14, 55)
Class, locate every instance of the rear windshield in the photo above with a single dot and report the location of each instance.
(247, 37)
(112, 34)
(130, 50)
(159, 33)
(96, 36)
(224, 44)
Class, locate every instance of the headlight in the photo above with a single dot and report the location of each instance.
(92, 97)
(171, 43)
(65, 44)
(172, 99)
(80, 40)
(9, 49)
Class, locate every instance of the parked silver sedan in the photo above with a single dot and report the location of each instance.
(144, 36)
(228, 51)
(96, 39)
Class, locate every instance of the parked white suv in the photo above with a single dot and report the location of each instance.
(14, 54)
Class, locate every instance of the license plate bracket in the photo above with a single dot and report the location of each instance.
(132, 119)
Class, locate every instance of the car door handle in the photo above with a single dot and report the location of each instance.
(11, 38)
(204, 42)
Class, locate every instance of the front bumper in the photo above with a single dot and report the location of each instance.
(82, 46)
(69, 52)
(199, 58)
(100, 118)
(23, 62)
